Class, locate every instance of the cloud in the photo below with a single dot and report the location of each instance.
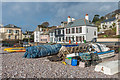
(105, 7)
(60, 0)
(34, 13)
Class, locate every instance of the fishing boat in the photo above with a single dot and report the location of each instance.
(16, 49)
(102, 50)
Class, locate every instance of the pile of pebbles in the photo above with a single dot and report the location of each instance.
(15, 66)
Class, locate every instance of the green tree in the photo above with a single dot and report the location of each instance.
(97, 23)
(113, 24)
(96, 18)
(45, 24)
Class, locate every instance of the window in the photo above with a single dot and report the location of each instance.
(36, 36)
(73, 38)
(51, 34)
(67, 39)
(9, 31)
(77, 38)
(9, 37)
(16, 31)
(67, 31)
(15, 37)
(83, 38)
(94, 33)
(73, 30)
(51, 39)
(80, 38)
(80, 30)
(43, 39)
(60, 39)
(76, 30)
(87, 30)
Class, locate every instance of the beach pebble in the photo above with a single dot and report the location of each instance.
(15, 66)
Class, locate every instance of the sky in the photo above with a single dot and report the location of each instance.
(28, 15)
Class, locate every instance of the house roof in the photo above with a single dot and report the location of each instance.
(52, 30)
(80, 22)
(11, 26)
(45, 33)
(37, 29)
(109, 20)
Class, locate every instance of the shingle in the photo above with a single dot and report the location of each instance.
(80, 22)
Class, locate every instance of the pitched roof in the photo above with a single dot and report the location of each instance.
(80, 22)
(109, 20)
(37, 29)
(45, 33)
(11, 26)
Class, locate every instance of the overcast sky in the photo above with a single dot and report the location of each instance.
(28, 15)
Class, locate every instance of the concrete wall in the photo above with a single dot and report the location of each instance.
(108, 40)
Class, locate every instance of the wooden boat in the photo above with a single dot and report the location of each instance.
(16, 49)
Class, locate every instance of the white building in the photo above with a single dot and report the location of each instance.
(80, 30)
(108, 23)
(52, 35)
(39, 30)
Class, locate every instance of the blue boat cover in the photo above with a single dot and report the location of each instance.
(41, 50)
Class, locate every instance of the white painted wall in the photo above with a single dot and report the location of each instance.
(52, 36)
(75, 34)
(90, 35)
(36, 36)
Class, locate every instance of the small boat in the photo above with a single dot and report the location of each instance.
(103, 51)
(16, 49)
(100, 49)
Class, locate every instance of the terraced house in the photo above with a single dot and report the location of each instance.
(74, 30)
(80, 30)
(11, 32)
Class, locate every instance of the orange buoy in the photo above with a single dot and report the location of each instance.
(69, 41)
(76, 43)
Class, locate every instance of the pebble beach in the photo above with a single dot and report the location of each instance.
(15, 66)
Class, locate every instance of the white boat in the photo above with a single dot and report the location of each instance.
(102, 50)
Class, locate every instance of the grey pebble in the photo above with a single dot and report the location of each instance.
(14, 66)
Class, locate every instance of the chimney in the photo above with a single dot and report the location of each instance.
(73, 19)
(69, 19)
(86, 17)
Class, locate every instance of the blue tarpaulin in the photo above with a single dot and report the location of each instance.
(41, 50)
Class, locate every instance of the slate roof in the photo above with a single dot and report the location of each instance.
(109, 20)
(80, 22)
(11, 26)
(37, 29)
